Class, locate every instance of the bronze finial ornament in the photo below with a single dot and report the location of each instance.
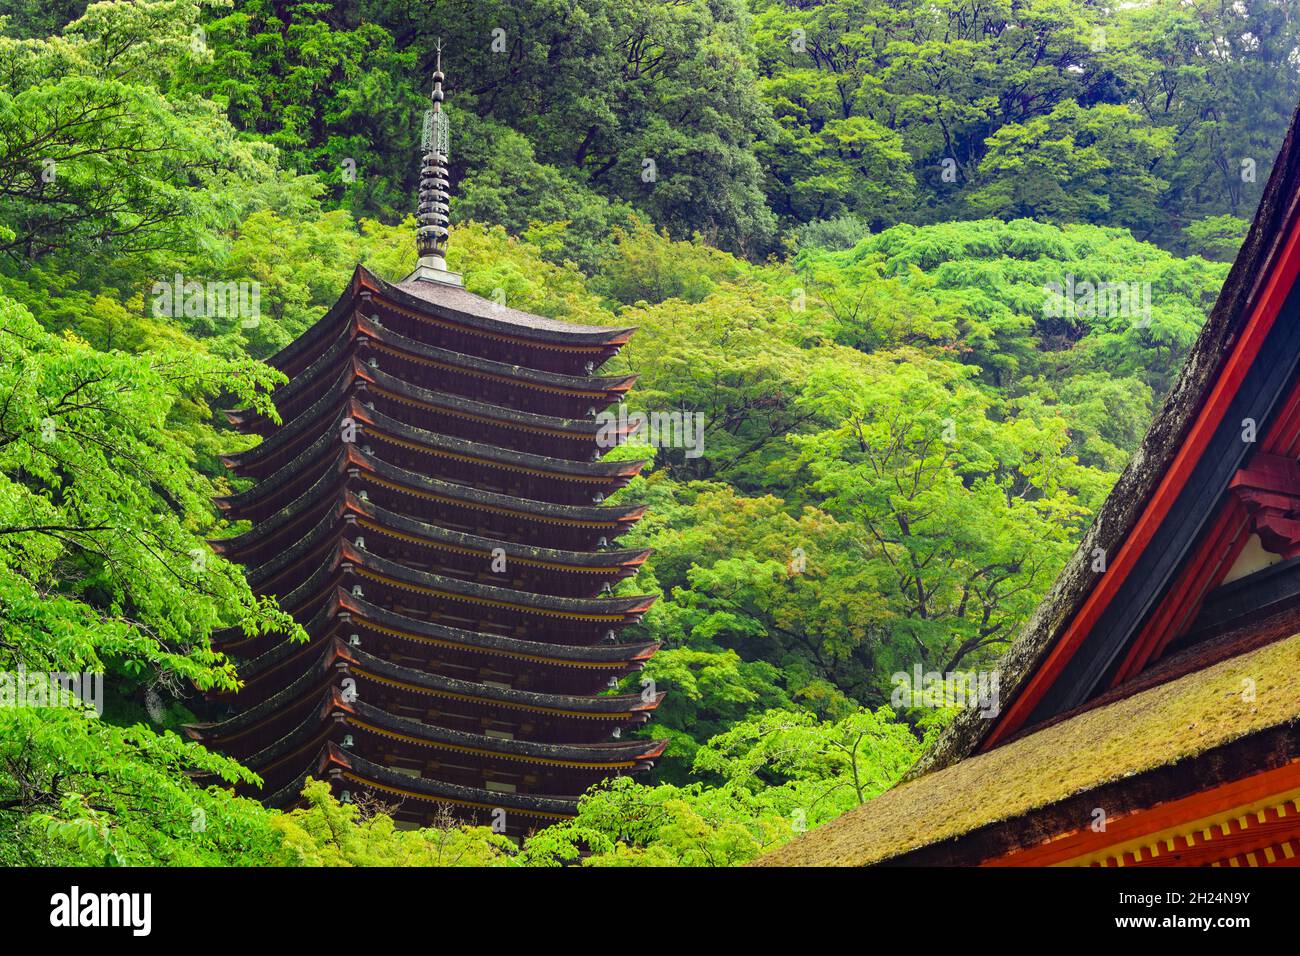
(432, 213)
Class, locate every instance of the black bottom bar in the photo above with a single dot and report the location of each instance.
(383, 909)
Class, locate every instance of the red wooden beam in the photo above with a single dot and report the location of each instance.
(1210, 802)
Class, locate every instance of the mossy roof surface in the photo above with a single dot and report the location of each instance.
(1157, 727)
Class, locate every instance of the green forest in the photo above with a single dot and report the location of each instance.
(853, 235)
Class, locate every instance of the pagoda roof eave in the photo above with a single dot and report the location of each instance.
(362, 771)
(614, 655)
(576, 429)
(311, 729)
(350, 509)
(251, 670)
(232, 547)
(359, 328)
(313, 454)
(611, 705)
(361, 614)
(350, 456)
(349, 552)
(318, 411)
(342, 306)
(207, 732)
(327, 529)
(472, 312)
(594, 386)
(623, 558)
(346, 556)
(633, 754)
(354, 373)
(358, 663)
(560, 467)
(306, 379)
(379, 425)
(604, 754)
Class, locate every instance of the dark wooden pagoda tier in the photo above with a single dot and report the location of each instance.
(431, 511)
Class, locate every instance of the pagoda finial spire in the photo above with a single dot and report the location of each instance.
(432, 215)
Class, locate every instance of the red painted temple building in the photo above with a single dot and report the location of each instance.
(431, 512)
(1150, 707)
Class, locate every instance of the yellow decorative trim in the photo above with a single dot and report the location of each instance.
(1243, 817)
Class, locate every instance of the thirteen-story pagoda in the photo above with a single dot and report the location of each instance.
(431, 512)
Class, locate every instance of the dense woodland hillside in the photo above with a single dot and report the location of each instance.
(868, 242)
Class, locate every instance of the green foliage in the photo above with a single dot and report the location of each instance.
(1219, 77)
(332, 94)
(628, 824)
(327, 833)
(1150, 116)
(967, 509)
(94, 155)
(826, 766)
(843, 232)
(76, 790)
(568, 100)
(1215, 237)
(506, 185)
(99, 502)
(649, 268)
(778, 773)
(979, 291)
(1075, 165)
(104, 568)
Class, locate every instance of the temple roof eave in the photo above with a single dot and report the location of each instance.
(608, 705)
(602, 755)
(626, 558)
(474, 311)
(458, 306)
(351, 766)
(353, 661)
(346, 557)
(350, 552)
(346, 609)
(351, 510)
(378, 425)
(349, 456)
(355, 377)
(361, 330)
